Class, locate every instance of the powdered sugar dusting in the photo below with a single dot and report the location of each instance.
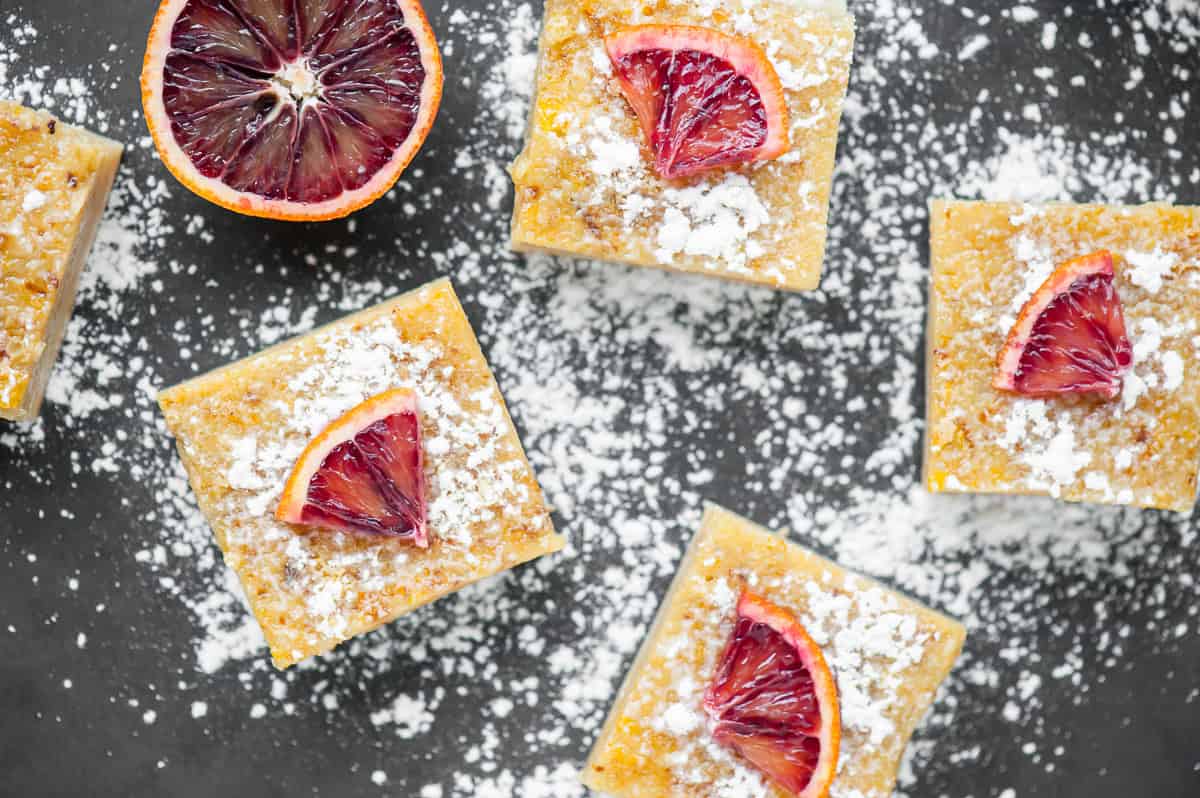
(353, 369)
(1150, 268)
(638, 394)
(1049, 447)
(717, 222)
(870, 642)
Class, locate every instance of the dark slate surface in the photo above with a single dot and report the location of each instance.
(1131, 732)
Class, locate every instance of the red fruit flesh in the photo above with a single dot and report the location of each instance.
(766, 702)
(1070, 336)
(294, 100)
(365, 473)
(707, 117)
(695, 94)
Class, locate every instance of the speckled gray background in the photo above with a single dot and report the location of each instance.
(1126, 728)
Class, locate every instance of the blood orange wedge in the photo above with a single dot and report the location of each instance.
(774, 701)
(290, 109)
(704, 99)
(1070, 336)
(363, 473)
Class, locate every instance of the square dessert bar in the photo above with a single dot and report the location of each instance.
(1140, 448)
(54, 182)
(240, 429)
(887, 653)
(584, 185)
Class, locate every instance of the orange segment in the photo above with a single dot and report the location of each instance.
(364, 473)
(704, 99)
(1070, 335)
(774, 701)
(300, 110)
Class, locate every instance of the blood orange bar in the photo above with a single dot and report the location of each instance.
(1142, 447)
(54, 182)
(241, 428)
(888, 654)
(584, 185)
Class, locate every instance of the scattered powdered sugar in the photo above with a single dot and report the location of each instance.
(514, 89)
(1042, 168)
(352, 369)
(1149, 268)
(680, 719)
(1172, 366)
(870, 642)
(1048, 446)
(409, 716)
(638, 394)
(70, 98)
(973, 47)
(716, 221)
(33, 200)
(1037, 264)
(616, 163)
(230, 632)
(714, 218)
(614, 155)
(1154, 366)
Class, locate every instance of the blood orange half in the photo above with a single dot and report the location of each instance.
(774, 701)
(364, 473)
(704, 99)
(1070, 336)
(290, 109)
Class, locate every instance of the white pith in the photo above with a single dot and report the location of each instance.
(297, 80)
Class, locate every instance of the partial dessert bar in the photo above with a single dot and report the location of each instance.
(586, 183)
(54, 182)
(888, 653)
(1127, 429)
(241, 429)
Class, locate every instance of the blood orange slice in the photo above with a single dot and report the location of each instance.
(1070, 336)
(774, 701)
(290, 109)
(704, 99)
(363, 473)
